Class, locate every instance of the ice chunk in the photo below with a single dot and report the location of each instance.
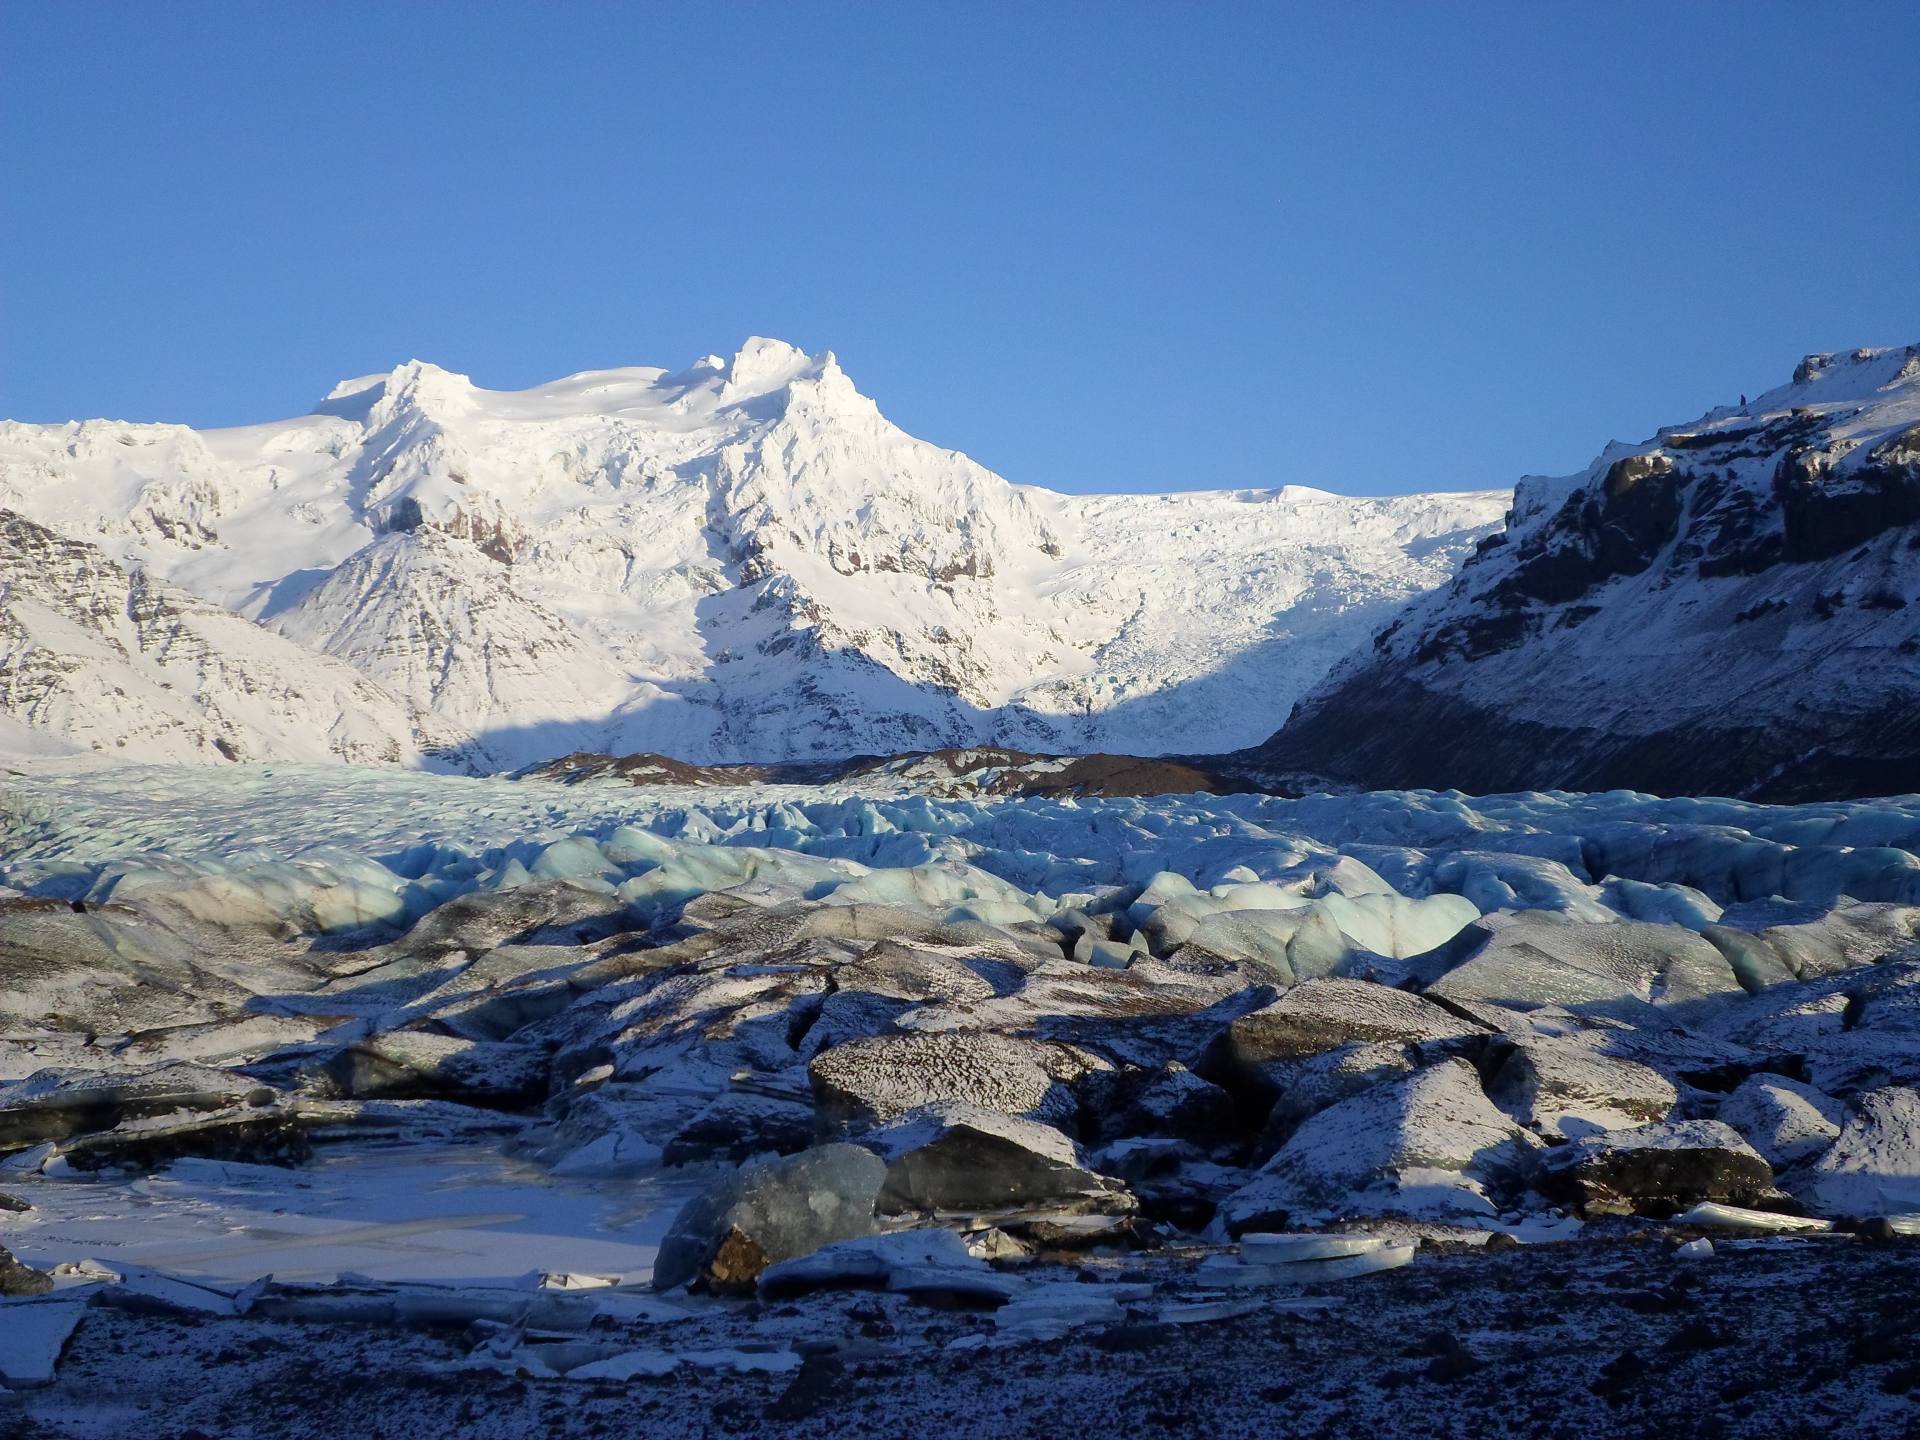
(1740, 1220)
(867, 1262)
(1257, 1248)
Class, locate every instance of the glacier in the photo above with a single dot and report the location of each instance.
(560, 1085)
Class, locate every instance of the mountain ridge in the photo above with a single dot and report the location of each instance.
(742, 560)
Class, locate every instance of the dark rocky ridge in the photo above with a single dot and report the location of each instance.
(1728, 609)
(979, 770)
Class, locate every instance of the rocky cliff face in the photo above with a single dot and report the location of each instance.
(1728, 608)
(742, 560)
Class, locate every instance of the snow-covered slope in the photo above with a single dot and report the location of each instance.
(94, 656)
(1728, 608)
(741, 560)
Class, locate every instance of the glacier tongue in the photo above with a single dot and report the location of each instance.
(741, 560)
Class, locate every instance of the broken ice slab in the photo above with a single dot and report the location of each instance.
(638, 1307)
(433, 1306)
(1044, 1312)
(628, 1365)
(1227, 1270)
(971, 1286)
(868, 1261)
(1204, 1312)
(1710, 1215)
(32, 1335)
(153, 1292)
(1270, 1249)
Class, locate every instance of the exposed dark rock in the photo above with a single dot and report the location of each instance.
(775, 1211)
(961, 1158)
(1323, 1015)
(18, 1279)
(1660, 1170)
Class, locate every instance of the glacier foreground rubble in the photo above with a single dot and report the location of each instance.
(542, 1079)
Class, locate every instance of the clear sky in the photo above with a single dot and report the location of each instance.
(1113, 246)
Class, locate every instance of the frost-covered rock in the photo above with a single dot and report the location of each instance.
(1429, 1147)
(1306, 1087)
(738, 1125)
(1567, 1087)
(956, 1157)
(1873, 1167)
(1323, 1015)
(1170, 1100)
(1786, 1121)
(1659, 1169)
(1527, 962)
(778, 1210)
(880, 1079)
(414, 1064)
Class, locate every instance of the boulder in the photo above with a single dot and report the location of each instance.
(1171, 1100)
(1660, 1170)
(950, 1157)
(778, 1210)
(1322, 1015)
(18, 1279)
(740, 1124)
(1429, 1147)
(876, 1080)
(1306, 1087)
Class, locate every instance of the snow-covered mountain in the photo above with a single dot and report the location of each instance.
(97, 656)
(740, 560)
(1728, 608)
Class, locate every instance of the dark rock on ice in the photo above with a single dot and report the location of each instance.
(18, 1279)
(777, 1210)
(1660, 1169)
(964, 1158)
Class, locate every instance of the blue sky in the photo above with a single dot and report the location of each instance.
(1129, 247)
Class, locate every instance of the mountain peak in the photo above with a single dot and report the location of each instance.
(419, 381)
(762, 366)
